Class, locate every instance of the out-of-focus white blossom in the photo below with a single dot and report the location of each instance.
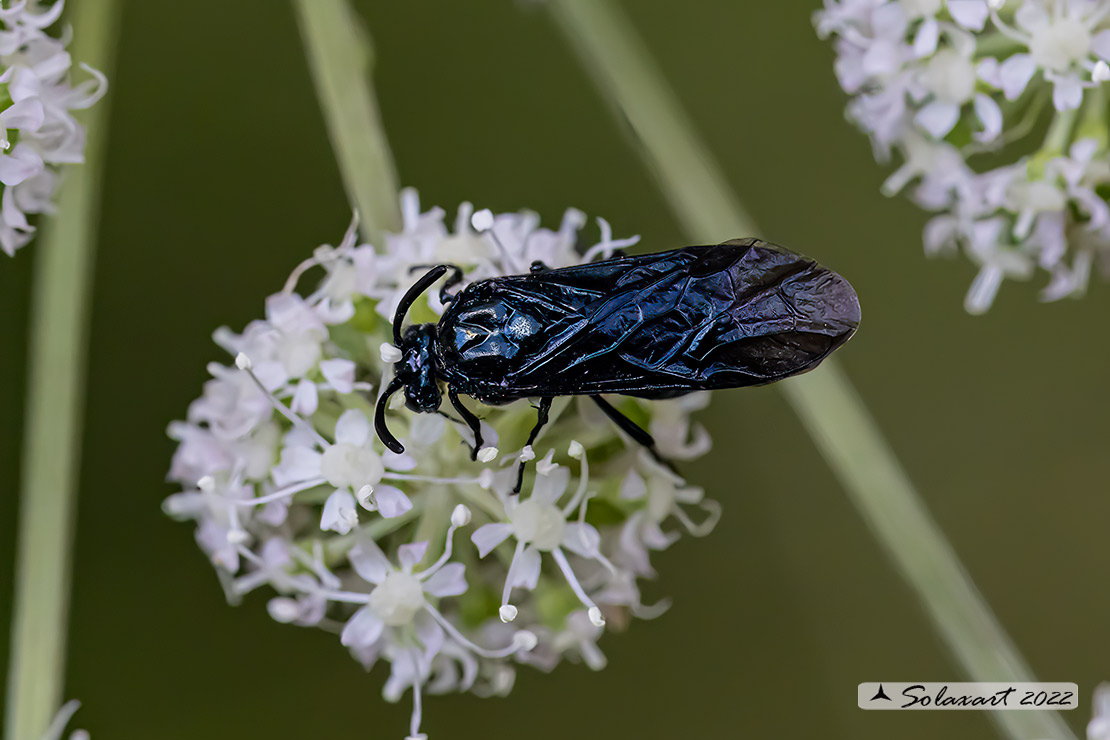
(1099, 726)
(61, 719)
(953, 87)
(38, 134)
(290, 489)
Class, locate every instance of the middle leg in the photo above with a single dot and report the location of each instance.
(470, 419)
(542, 412)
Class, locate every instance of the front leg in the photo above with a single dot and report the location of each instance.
(470, 419)
(542, 412)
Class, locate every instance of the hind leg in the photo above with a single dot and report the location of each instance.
(470, 419)
(632, 429)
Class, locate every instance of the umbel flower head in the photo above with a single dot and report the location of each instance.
(38, 134)
(962, 91)
(426, 560)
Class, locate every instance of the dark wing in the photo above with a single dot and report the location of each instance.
(739, 313)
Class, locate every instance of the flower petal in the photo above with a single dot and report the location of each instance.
(549, 488)
(362, 629)
(340, 375)
(429, 633)
(401, 463)
(489, 536)
(925, 42)
(581, 539)
(1067, 93)
(353, 428)
(369, 562)
(1014, 74)
(339, 512)
(26, 114)
(971, 14)
(392, 502)
(297, 464)
(410, 554)
(938, 118)
(305, 398)
(450, 580)
(526, 569)
(1100, 44)
(23, 163)
(990, 115)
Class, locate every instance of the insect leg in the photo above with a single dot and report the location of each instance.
(470, 419)
(541, 419)
(455, 278)
(633, 430)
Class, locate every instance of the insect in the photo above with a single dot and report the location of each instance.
(741, 313)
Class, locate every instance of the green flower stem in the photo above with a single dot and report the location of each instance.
(64, 255)
(833, 413)
(340, 56)
(1058, 137)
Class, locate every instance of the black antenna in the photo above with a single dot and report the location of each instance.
(410, 296)
(384, 434)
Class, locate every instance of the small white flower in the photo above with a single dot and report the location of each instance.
(942, 105)
(61, 719)
(1099, 726)
(35, 75)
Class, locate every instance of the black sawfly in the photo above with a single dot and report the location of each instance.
(736, 314)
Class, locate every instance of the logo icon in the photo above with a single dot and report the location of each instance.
(880, 694)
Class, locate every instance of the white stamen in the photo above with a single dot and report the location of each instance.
(576, 587)
(527, 454)
(507, 613)
(414, 726)
(575, 450)
(482, 220)
(237, 536)
(365, 497)
(207, 484)
(389, 353)
(1101, 71)
(460, 517)
(243, 363)
(518, 642)
(595, 617)
(579, 495)
(279, 494)
(486, 454)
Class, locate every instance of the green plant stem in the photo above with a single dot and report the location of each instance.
(340, 56)
(64, 254)
(825, 400)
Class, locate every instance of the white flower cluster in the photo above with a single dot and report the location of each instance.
(290, 488)
(37, 132)
(960, 88)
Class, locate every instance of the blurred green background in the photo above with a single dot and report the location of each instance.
(220, 179)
